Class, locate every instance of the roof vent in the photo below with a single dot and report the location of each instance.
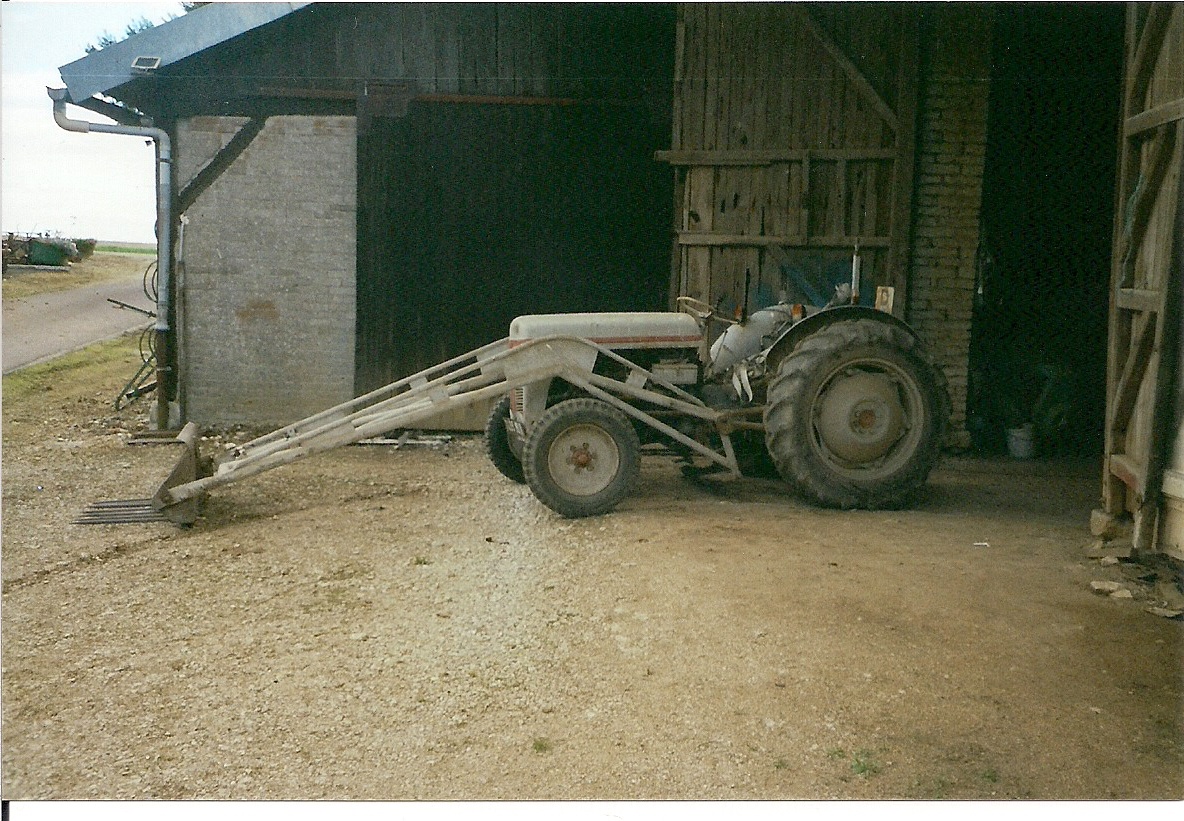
(145, 65)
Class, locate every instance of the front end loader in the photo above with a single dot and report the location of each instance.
(844, 402)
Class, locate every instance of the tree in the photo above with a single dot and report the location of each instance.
(135, 27)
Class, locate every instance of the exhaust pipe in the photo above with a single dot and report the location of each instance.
(164, 225)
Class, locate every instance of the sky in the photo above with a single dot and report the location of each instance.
(55, 182)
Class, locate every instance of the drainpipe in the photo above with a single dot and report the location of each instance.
(164, 224)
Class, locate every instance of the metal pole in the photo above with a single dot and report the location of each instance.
(164, 229)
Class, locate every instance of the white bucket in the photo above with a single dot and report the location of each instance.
(1019, 442)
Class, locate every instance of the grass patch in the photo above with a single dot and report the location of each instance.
(542, 745)
(118, 266)
(939, 788)
(122, 248)
(420, 561)
(117, 356)
(864, 763)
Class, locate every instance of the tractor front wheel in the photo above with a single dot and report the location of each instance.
(582, 458)
(856, 416)
(497, 443)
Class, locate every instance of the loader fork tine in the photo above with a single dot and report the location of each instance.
(156, 509)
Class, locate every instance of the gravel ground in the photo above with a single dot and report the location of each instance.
(382, 624)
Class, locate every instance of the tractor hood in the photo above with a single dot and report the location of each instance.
(613, 330)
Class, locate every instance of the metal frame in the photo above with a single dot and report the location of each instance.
(488, 372)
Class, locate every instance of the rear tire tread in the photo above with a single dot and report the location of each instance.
(789, 425)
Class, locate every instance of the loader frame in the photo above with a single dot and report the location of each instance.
(486, 373)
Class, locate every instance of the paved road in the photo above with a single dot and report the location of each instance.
(45, 326)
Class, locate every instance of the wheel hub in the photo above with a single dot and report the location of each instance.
(583, 460)
(860, 417)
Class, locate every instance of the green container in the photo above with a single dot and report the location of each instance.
(47, 252)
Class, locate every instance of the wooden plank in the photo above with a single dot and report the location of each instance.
(762, 94)
(1146, 193)
(447, 31)
(1167, 343)
(781, 213)
(770, 156)
(700, 213)
(821, 193)
(485, 57)
(842, 223)
(805, 49)
(700, 199)
(1127, 390)
(702, 239)
(1114, 492)
(785, 83)
(849, 69)
(1139, 299)
(506, 75)
(695, 81)
(1141, 66)
(678, 209)
(1154, 118)
(804, 213)
(680, 88)
(220, 162)
(419, 56)
(711, 35)
(699, 273)
(1129, 471)
(729, 104)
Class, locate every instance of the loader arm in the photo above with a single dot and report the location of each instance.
(485, 373)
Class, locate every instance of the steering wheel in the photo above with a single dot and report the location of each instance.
(701, 310)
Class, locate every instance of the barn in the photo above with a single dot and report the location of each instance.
(359, 191)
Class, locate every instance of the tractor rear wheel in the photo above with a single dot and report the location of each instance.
(497, 443)
(582, 457)
(856, 416)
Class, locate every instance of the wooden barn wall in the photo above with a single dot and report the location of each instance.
(792, 141)
(532, 190)
(472, 215)
(331, 52)
(1144, 473)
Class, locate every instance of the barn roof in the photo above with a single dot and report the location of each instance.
(165, 44)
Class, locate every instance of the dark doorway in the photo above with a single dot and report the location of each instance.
(1038, 338)
(477, 213)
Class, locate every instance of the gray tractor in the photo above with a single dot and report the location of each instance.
(841, 401)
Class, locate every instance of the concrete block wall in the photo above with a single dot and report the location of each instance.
(267, 271)
(952, 139)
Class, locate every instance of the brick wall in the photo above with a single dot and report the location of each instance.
(952, 134)
(267, 286)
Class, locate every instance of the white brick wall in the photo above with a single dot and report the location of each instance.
(267, 274)
(952, 135)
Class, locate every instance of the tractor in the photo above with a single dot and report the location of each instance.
(842, 401)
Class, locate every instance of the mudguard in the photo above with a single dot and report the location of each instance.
(789, 339)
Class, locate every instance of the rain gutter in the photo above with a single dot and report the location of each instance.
(164, 225)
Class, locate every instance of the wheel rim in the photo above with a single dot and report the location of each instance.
(866, 419)
(583, 460)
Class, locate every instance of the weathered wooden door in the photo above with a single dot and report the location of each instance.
(1142, 413)
(793, 140)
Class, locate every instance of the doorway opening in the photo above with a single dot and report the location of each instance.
(1038, 332)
